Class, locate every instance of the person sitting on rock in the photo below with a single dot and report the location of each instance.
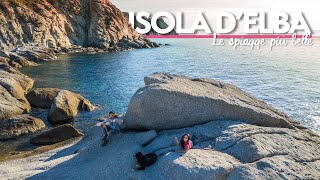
(185, 143)
(111, 126)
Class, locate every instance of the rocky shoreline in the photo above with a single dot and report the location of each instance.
(18, 97)
(261, 143)
(235, 135)
(34, 32)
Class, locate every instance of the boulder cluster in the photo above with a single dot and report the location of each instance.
(33, 32)
(17, 98)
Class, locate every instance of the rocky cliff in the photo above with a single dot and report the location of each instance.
(62, 24)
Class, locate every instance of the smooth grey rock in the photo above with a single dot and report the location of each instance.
(277, 167)
(197, 164)
(116, 158)
(170, 101)
(257, 152)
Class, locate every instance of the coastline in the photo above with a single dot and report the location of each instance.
(234, 134)
(30, 56)
(239, 148)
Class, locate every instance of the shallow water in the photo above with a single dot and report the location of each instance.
(287, 77)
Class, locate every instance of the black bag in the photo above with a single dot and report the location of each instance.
(144, 161)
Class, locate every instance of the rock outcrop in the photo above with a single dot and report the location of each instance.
(170, 101)
(19, 61)
(278, 153)
(248, 139)
(42, 97)
(17, 85)
(19, 125)
(66, 106)
(197, 164)
(13, 87)
(56, 135)
(62, 24)
(239, 151)
(9, 106)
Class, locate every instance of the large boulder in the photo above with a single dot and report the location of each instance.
(19, 125)
(56, 135)
(42, 97)
(170, 101)
(9, 106)
(17, 85)
(13, 87)
(25, 82)
(66, 106)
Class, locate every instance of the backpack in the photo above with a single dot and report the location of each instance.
(144, 161)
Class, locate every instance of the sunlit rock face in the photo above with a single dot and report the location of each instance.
(61, 24)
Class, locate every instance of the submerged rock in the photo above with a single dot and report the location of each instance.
(19, 125)
(56, 135)
(66, 106)
(42, 97)
(170, 101)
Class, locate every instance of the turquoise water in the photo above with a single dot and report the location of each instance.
(286, 77)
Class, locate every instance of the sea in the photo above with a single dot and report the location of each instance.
(286, 77)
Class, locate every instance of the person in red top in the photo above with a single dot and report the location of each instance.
(185, 143)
